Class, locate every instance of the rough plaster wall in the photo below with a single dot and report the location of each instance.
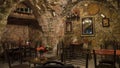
(101, 33)
(34, 34)
(21, 32)
(5, 10)
(15, 32)
(53, 28)
(118, 25)
(52, 25)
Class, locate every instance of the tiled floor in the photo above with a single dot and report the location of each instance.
(3, 65)
(81, 63)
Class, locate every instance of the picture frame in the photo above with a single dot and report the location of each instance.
(87, 26)
(105, 22)
(68, 26)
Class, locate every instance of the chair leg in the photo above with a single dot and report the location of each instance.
(119, 61)
(95, 60)
(87, 56)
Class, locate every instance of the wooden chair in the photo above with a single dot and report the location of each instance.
(55, 64)
(29, 52)
(10, 58)
(106, 63)
(5, 46)
(109, 44)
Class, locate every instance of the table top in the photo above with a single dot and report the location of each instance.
(107, 52)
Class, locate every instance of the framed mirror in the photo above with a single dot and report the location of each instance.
(87, 26)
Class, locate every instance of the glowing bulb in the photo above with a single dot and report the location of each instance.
(85, 4)
(102, 15)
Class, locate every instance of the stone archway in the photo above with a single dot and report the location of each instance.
(6, 7)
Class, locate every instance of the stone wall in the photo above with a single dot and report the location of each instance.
(101, 33)
(15, 32)
(22, 29)
(35, 34)
(53, 23)
(5, 9)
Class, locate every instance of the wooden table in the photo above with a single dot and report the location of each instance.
(108, 52)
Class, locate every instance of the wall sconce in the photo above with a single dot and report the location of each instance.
(73, 16)
(85, 4)
(102, 15)
(53, 12)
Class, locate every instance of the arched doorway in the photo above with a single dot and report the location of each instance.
(21, 26)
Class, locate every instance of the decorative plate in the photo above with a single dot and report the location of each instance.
(93, 8)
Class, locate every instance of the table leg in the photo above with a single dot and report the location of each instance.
(35, 65)
(119, 61)
(87, 56)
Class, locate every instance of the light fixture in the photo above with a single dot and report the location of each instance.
(102, 15)
(54, 14)
(73, 16)
(86, 4)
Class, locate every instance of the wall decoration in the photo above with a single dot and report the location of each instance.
(68, 26)
(105, 22)
(87, 26)
(93, 8)
(73, 16)
(102, 15)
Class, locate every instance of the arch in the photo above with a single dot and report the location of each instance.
(7, 7)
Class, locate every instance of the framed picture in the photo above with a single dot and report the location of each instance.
(68, 27)
(87, 26)
(105, 22)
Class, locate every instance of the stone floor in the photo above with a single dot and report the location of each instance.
(76, 63)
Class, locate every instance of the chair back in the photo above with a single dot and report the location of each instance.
(12, 52)
(11, 56)
(55, 64)
(103, 53)
(4, 47)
